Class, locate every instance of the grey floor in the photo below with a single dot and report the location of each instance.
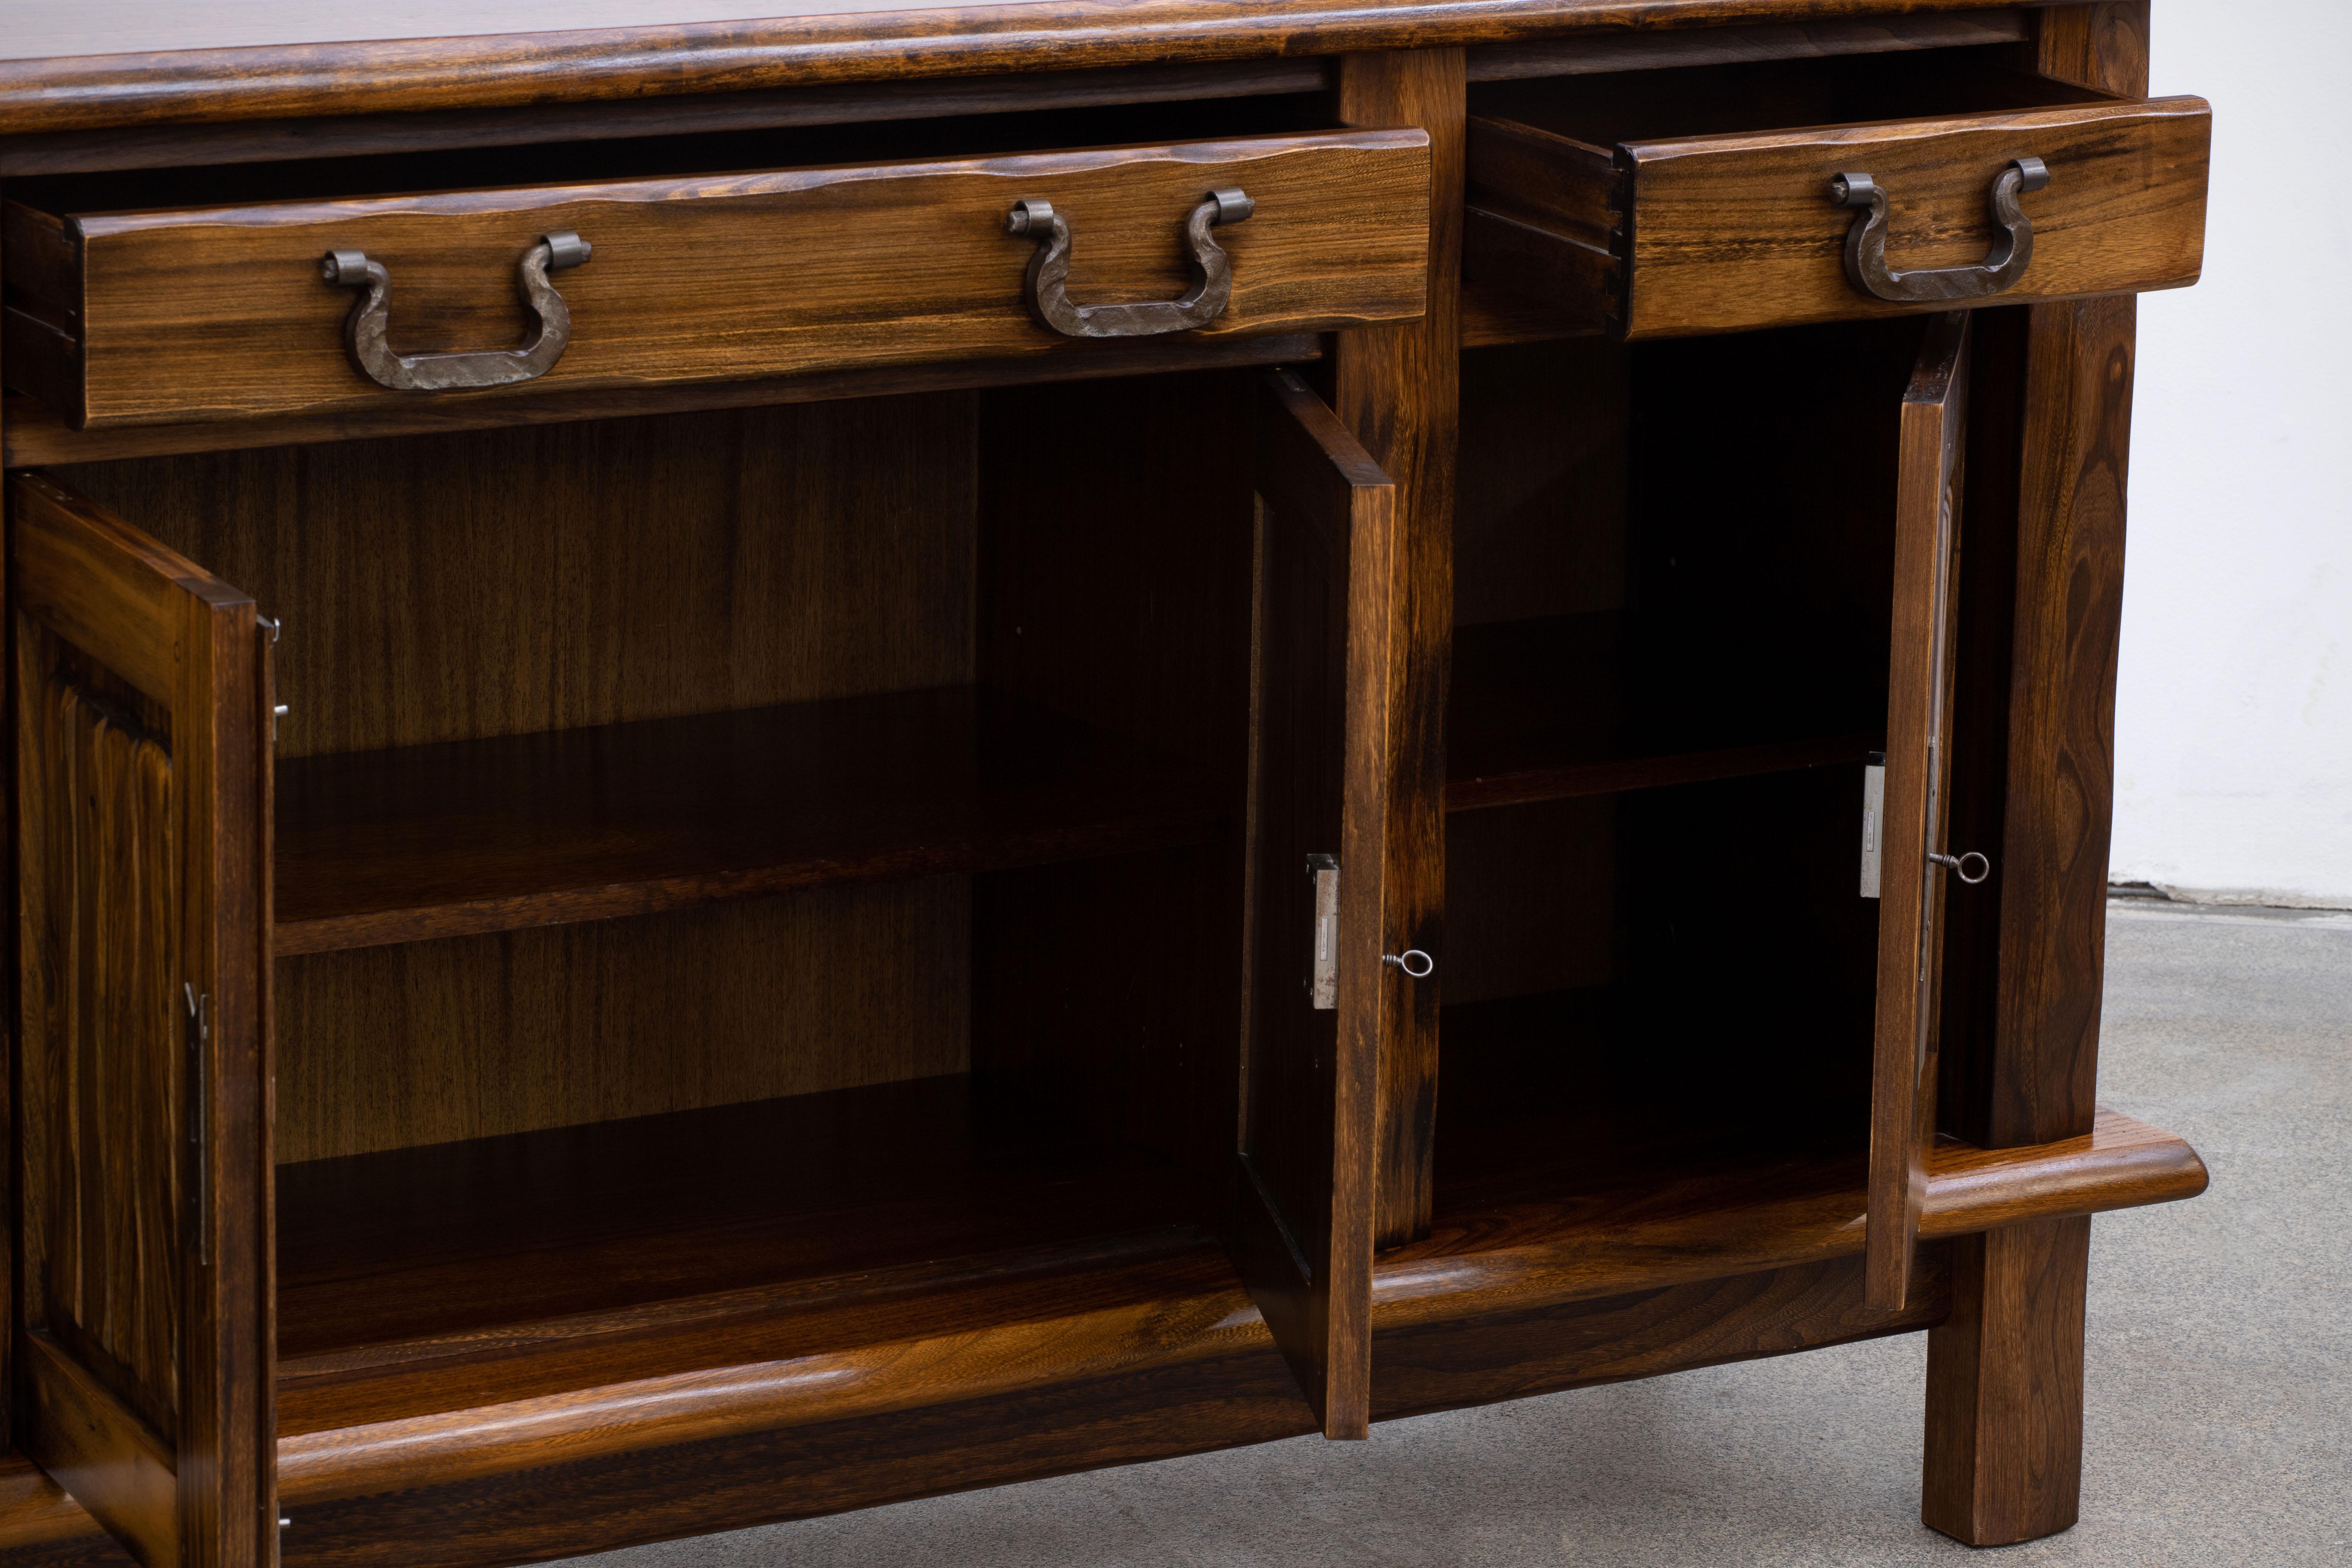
(2219, 1401)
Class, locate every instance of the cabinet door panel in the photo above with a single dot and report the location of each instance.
(1911, 831)
(1318, 869)
(142, 780)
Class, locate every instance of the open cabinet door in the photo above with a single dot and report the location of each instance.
(1319, 866)
(142, 796)
(1910, 814)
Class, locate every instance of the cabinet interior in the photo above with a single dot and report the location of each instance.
(1673, 589)
(722, 854)
(1778, 95)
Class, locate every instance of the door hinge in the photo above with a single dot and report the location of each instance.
(198, 1031)
(1323, 968)
(1874, 820)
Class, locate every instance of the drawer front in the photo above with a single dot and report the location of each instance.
(224, 313)
(1713, 234)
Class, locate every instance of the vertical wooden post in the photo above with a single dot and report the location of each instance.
(1397, 388)
(2005, 1386)
(2005, 1374)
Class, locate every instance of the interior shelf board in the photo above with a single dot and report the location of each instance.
(1669, 1212)
(1503, 780)
(1537, 715)
(472, 1307)
(471, 836)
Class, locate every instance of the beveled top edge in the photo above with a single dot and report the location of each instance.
(822, 41)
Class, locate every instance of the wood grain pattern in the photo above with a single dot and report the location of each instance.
(505, 582)
(72, 90)
(103, 1452)
(1398, 388)
(2102, 46)
(1327, 608)
(1728, 233)
(143, 744)
(1445, 1364)
(475, 1037)
(42, 1527)
(2062, 720)
(472, 836)
(359, 135)
(794, 272)
(1595, 54)
(2004, 1456)
(1668, 1214)
(34, 434)
(108, 1101)
(685, 1221)
(1914, 811)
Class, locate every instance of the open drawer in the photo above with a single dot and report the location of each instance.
(275, 307)
(1724, 199)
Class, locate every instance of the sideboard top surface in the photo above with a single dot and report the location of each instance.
(78, 65)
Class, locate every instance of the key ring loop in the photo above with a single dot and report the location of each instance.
(1408, 958)
(1960, 866)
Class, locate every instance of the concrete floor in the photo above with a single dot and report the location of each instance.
(2219, 1399)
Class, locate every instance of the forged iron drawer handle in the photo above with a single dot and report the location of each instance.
(364, 329)
(1865, 242)
(1049, 272)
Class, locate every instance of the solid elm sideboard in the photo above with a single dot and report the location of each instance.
(764, 765)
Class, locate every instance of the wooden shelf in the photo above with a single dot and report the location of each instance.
(889, 1265)
(1553, 1192)
(579, 824)
(487, 1306)
(1535, 716)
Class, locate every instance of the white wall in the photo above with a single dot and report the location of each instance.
(2233, 713)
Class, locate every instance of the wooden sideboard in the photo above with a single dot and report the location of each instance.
(765, 765)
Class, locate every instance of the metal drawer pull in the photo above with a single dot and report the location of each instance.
(364, 329)
(1416, 964)
(1959, 865)
(1865, 242)
(1049, 272)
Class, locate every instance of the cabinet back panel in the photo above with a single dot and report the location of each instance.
(1539, 522)
(429, 1042)
(507, 581)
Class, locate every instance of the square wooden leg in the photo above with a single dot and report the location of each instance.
(2004, 1457)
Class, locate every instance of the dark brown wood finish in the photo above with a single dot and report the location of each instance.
(85, 76)
(2003, 1458)
(1442, 1365)
(1398, 387)
(1597, 54)
(1664, 213)
(1913, 808)
(209, 313)
(32, 434)
(1327, 605)
(359, 135)
(1208, 1376)
(929, 706)
(573, 824)
(500, 583)
(2070, 556)
(142, 758)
